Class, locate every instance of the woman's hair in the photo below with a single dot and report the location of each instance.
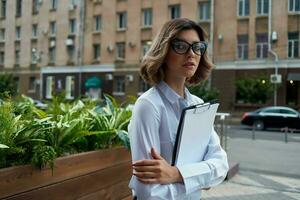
(152, 66)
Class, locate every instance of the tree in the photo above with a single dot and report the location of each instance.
(204, 92)
(8, 87)
(253, 89)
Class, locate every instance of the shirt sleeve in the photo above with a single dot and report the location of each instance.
(144, 134)
(209, 172)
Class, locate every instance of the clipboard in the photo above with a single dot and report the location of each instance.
(193, 133)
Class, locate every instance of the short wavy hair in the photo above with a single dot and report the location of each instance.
(152, 65)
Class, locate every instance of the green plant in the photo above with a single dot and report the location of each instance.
(112, 121)
(204, 91)
(253, 89)
(8, 86)
(31, 135)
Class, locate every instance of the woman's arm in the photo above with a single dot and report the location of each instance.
(144, 135)
(209, 172)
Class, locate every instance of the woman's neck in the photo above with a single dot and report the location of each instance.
(177, 85)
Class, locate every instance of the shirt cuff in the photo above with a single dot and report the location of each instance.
(195, 176)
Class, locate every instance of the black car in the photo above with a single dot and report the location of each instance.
(272, 117)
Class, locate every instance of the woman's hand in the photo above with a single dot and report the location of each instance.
(157, 170)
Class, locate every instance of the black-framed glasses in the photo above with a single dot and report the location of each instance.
(182, 47)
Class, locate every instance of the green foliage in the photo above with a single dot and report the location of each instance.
(253, 89)
(204, 92)
(7, 86)
(31, 135)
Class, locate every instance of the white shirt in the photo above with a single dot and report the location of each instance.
(154, 124)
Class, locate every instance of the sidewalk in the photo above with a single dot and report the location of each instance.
(254, 186)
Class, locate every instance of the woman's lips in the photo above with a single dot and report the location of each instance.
(189, 65)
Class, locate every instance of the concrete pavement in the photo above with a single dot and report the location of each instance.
(269, 169)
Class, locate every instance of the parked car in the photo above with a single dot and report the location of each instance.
(272, 117)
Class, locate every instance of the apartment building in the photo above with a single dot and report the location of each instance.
(54, 46)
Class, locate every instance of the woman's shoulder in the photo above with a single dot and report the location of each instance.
(196, 100)
(150, 97)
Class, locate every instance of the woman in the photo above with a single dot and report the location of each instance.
(177, 57)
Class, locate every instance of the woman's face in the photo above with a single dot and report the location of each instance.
(183, 65)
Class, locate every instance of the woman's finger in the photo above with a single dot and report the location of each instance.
(148, 180)
(145, 162)
(145, 175)
(146, 168)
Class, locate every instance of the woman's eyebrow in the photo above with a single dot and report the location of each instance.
(196, 41)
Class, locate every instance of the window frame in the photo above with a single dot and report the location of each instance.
(122, 20)
(262, 11)
(245, 12)
(175, 10)
(201, 6)
(147, 17)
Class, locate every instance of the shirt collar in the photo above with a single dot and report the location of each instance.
(171, 95)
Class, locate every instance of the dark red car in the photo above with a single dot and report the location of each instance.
(272, 117)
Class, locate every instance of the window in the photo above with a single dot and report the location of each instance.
(120, 53)
(2, 57)
(3, 8)
(119, 85)
(49, 86)
(35, 7)
(2, 34)
(293, 44)
(262, 45)
(242, 47)
(174, 11)
(71, 53)
(70, 87)
(294, 5)
(18, 8)
(34, 56)
(147, 17)
(143, 86)
(52, 28)
(243, 7)
(52, 54)
(146, 46)
(34, 30)
(18, 32)
(262, 7)
(204, 11)
(53, 4)
(97, 23)
(72, 26)
(32, 84)
(97, 51)
(122, 20)
(17, 57)
(17, 83)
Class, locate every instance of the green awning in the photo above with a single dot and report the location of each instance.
(93, 82)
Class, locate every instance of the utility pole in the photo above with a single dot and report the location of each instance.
(270, 35)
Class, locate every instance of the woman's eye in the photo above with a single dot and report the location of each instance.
(181, 46)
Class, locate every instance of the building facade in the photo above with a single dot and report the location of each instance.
(53, 46)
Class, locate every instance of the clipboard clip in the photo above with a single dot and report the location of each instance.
(204, 106)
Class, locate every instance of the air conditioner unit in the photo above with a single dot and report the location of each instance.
(45, 31)
(131, 44)
(69, 42)
(52, 43)
(109, 77)
(72, 7)
(274, 36)
(275, 78)
(129, 77)
(110, 48)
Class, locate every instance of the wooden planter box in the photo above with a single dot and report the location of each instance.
(102, 174)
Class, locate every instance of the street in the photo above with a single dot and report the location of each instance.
(269, 167)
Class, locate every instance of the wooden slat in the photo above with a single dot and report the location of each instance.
(105, 181)
(15, 180)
